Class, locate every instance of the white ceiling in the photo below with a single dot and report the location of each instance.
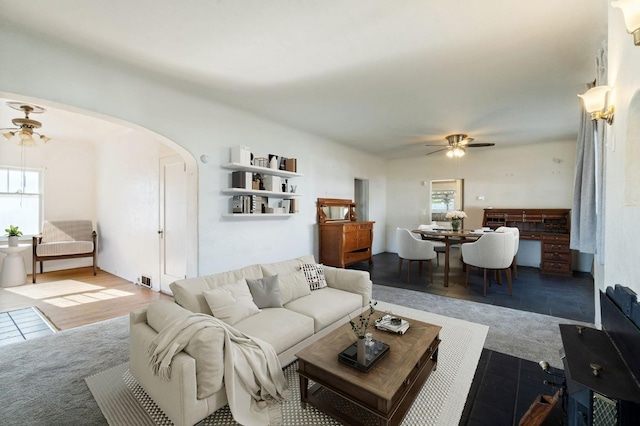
(384, 76)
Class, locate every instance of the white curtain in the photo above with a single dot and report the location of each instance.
(587, 225)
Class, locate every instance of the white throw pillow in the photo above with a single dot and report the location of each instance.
(293, 286)
(231, 302)
(314, 273)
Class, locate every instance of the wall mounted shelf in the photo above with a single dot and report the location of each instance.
(241, 191)
(258, 215)
(265, 170)
(249, 202)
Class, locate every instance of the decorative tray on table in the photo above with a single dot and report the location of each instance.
(350, 356)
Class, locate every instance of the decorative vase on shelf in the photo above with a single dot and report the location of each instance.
(361, 350)
(455, 224)
(13, 241)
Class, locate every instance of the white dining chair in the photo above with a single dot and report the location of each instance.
(438, 246)
(494, 252)
(414, 249)
(516, 233)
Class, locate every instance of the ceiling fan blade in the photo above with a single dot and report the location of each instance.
(480, 145)
(438, 150)
(441, 145)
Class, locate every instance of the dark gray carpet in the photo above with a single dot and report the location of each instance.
(42, 380)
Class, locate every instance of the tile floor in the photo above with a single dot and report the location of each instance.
(21, 325)
(503, 388)
(558, 296)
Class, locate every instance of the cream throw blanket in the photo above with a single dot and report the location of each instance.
(252, 371)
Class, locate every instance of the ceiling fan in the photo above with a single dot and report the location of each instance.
(23, 132)
(458, 144)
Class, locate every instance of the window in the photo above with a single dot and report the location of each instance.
(21, 194)
(442, 201)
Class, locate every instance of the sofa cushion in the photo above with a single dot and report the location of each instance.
(326, 306)
(231, 302)
(206, 346)
(188, 292)
(314, 274)
(293, 286)
(161, 313)
(265, 292)
(286, 267)
(279, 327)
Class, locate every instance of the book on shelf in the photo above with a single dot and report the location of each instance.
(241, 180)
(249, 204)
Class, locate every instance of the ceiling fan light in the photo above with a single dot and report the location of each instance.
(450, 153)
(44, 138)
(8, 135)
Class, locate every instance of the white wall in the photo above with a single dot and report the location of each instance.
(69, 186)
(622, 216)
(88, 83)
(523, 176)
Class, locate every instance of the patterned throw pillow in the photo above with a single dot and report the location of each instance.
(314, 273)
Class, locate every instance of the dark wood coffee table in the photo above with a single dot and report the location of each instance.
(385, 393)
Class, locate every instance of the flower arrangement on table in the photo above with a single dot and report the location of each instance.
(456, 216)
(360, 324)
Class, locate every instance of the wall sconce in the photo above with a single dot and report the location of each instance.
(631, 13)
(595, 102)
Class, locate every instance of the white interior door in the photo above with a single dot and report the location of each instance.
(173, 221)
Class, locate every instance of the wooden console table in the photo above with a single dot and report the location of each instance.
(343, 239)
(550, 226)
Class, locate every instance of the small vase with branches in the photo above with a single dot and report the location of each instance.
(359, 325)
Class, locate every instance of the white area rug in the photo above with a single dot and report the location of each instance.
(440, 402)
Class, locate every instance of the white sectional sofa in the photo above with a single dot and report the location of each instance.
(196, 387)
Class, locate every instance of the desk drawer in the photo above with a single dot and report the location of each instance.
(556, 238)
(556, 267)
(557, 256)
(555, 247)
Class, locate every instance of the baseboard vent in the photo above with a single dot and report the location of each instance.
(145, 281)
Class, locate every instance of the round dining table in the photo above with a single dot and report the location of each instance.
(448, 237)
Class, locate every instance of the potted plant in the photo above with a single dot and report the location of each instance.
(13, 233)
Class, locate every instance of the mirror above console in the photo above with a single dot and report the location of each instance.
(336, 210)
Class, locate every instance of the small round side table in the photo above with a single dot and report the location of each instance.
(13, 271)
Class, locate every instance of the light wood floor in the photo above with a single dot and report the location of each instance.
(75, 297)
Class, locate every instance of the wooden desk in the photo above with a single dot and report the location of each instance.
(552, 227)
(448, 237)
